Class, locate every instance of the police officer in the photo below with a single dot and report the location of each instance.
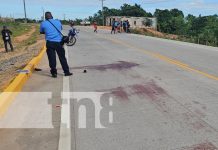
(53, 44)
(6, 36)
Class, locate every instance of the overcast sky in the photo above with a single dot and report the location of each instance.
(84, 8)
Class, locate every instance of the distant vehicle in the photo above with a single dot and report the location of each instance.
(85, 23)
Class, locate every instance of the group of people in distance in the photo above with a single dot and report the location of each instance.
(120, 26)
(117, 26)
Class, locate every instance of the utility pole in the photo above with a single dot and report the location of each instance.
(64, 16)
(24, 5)
(102, 3)
(43, 14)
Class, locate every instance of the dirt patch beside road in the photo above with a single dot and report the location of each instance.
(104, 27)
(24, 37)
(148, 32)
(27, 46)
(9, 66)
(17, 40)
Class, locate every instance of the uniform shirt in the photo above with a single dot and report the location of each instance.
(6, 34)
(51, 34)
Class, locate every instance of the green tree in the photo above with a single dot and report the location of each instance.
(164, 18)
(134, 10)
(170, 21)
(199, 29)
(77, 21)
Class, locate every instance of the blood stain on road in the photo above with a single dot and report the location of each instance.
(198, 125)
(120, 93)
(149, 89)
(119, 66)
(202, 146)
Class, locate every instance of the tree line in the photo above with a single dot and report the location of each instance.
(196, 29)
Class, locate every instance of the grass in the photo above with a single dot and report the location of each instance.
(17, 29)
(26, 48)
(33, 38)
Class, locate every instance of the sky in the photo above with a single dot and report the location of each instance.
(72, 9)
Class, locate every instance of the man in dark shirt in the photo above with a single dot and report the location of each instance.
(113, 26)
(6, 36)
(124, 26)
(50, 28)
(128, 26)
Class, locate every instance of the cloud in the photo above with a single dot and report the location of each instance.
(84, 8)
(67, 3)
(202, 4)
(156, 1)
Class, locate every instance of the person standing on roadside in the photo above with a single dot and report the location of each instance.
(116, 26)
(128, 26)
(113, 27)
(6, 36)
(124, 26)
(119, 27)
(95, 27)
(52, 28)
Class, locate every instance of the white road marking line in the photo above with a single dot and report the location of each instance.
(65, 128)
(111, 113)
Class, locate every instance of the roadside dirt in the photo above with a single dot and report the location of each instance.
(104, 27)
(13, 61)
(149, 31)
(25, 36)
(162, 35)
(21, 38)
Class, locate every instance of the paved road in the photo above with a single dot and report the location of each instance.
(155, 94)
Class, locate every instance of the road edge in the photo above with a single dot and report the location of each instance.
(8, 95)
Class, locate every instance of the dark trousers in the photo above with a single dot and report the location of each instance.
(52, 48)
(124, 28)
(6, 42)
(113, 30)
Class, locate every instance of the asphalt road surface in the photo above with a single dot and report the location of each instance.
(139, 93)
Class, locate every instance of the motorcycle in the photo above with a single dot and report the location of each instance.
(73, 36)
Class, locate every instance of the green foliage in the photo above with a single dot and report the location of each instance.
(202, 30)
(125, 10)
(135, 10)
(16, 28)
(170, 21)
(65, 22)
(77, 21)
(33, 38)
(22, 20)
(148, 22)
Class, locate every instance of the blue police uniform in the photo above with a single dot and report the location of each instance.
(51, 34)
(53, 44)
